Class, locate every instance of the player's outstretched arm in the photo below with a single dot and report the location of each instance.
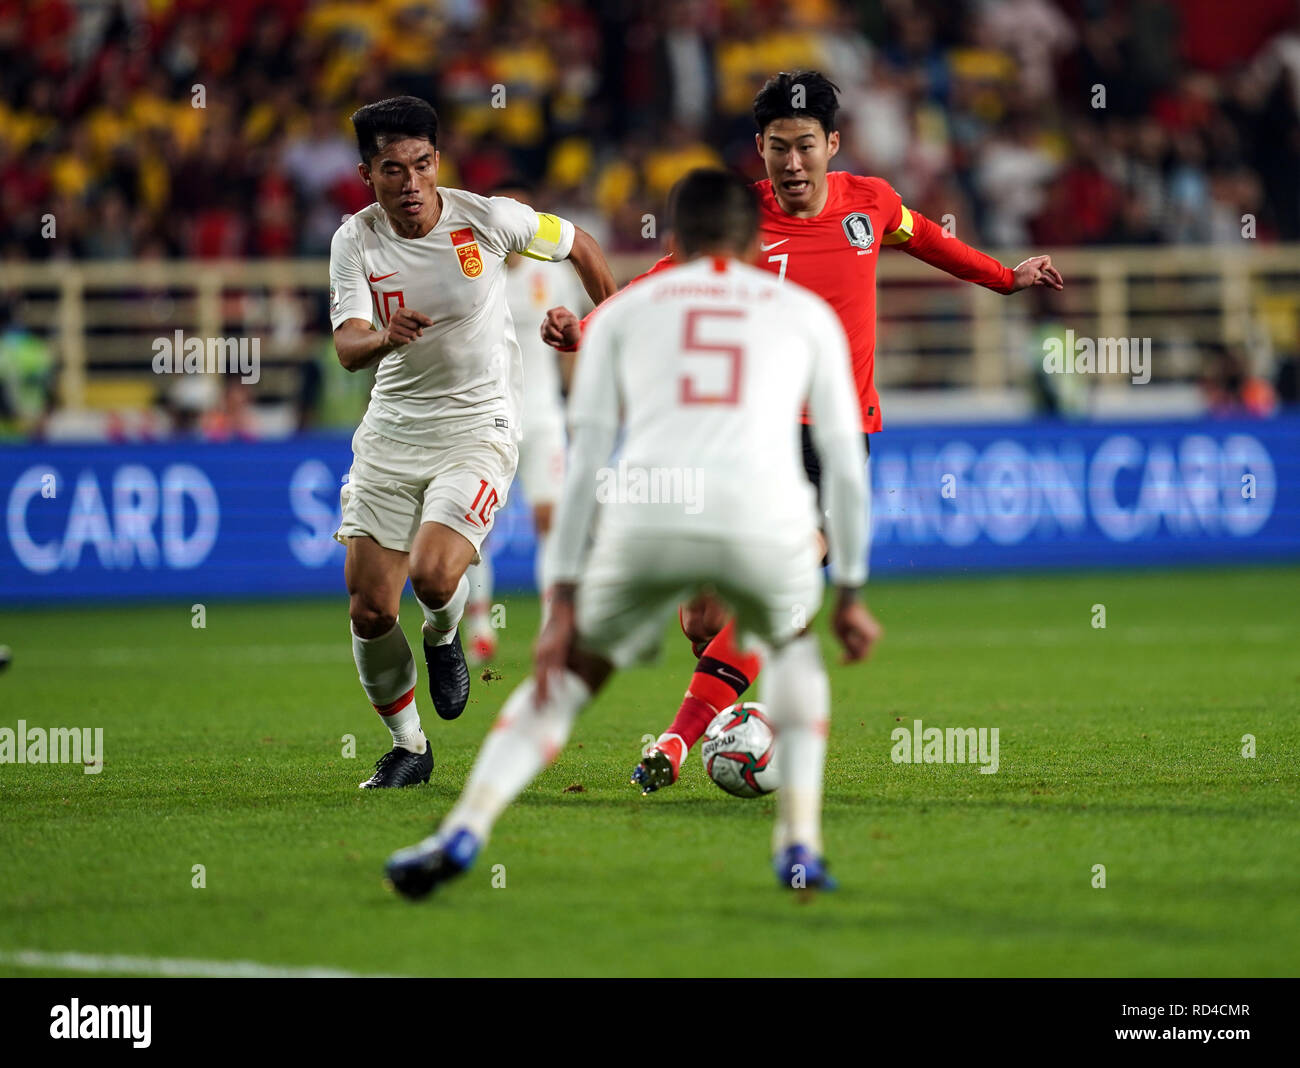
(562, 330)
(594, 404)
(359, 345)
(555, 643)
(837, 433)
(589, 262)
(918, 236)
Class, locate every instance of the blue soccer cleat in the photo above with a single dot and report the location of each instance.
(416, 870)
(798, 869)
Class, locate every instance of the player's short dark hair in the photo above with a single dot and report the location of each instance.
(817, 93)
(712, 209)
(385, 121)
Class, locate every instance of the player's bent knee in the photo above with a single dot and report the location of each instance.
(435, 585)
(702, 620)
(699, 633)
(370, 620)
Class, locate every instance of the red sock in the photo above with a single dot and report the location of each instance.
(722, 675)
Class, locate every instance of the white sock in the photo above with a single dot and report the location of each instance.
(387, 672)
(797, 694)
(440, 623)
(521, 743)
(479, 606)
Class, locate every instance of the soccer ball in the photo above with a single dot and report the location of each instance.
(738, 751)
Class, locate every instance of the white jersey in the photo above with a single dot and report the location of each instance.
(710, 365)
(463, 378)
(532, 288)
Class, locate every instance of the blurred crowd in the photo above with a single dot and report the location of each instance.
(160, 128)
(157, 129)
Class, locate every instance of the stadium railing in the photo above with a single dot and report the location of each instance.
(103, 319)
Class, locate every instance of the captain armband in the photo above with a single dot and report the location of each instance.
(904, 231)
(554, 238)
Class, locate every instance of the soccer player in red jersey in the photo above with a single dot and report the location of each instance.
(824, 230)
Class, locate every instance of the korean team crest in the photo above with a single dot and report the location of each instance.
(857, 228)
(471, 260)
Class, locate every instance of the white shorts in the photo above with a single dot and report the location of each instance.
(393, 487)
(635, 581)
(541, 464)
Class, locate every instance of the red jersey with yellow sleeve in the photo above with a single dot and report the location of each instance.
(834, 254)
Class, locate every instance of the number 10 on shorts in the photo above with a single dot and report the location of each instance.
(483, 504)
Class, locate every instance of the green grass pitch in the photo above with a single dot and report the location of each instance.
(1119, 746)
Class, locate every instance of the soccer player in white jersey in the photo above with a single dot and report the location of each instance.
(532, 288)
(417, 290)
(707, 367)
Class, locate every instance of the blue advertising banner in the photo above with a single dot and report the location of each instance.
(1056, 495)
(191, 519)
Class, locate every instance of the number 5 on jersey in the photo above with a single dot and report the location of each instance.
(694, 350)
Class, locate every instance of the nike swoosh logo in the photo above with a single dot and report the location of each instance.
(773, 245)
(734, 677)
(381, 277)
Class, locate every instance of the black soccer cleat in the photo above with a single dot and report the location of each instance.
(448, 677)
(401, 767)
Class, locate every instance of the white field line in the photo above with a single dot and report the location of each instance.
(118, 964)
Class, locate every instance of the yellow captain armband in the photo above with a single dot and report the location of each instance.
(553, 240)
(904, 231)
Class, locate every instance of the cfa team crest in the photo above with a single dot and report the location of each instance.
(471, 260)
(857, 228)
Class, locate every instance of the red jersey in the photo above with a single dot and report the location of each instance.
(834, 254)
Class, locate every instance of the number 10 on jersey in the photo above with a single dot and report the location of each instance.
(384, 311)
(483, 503)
